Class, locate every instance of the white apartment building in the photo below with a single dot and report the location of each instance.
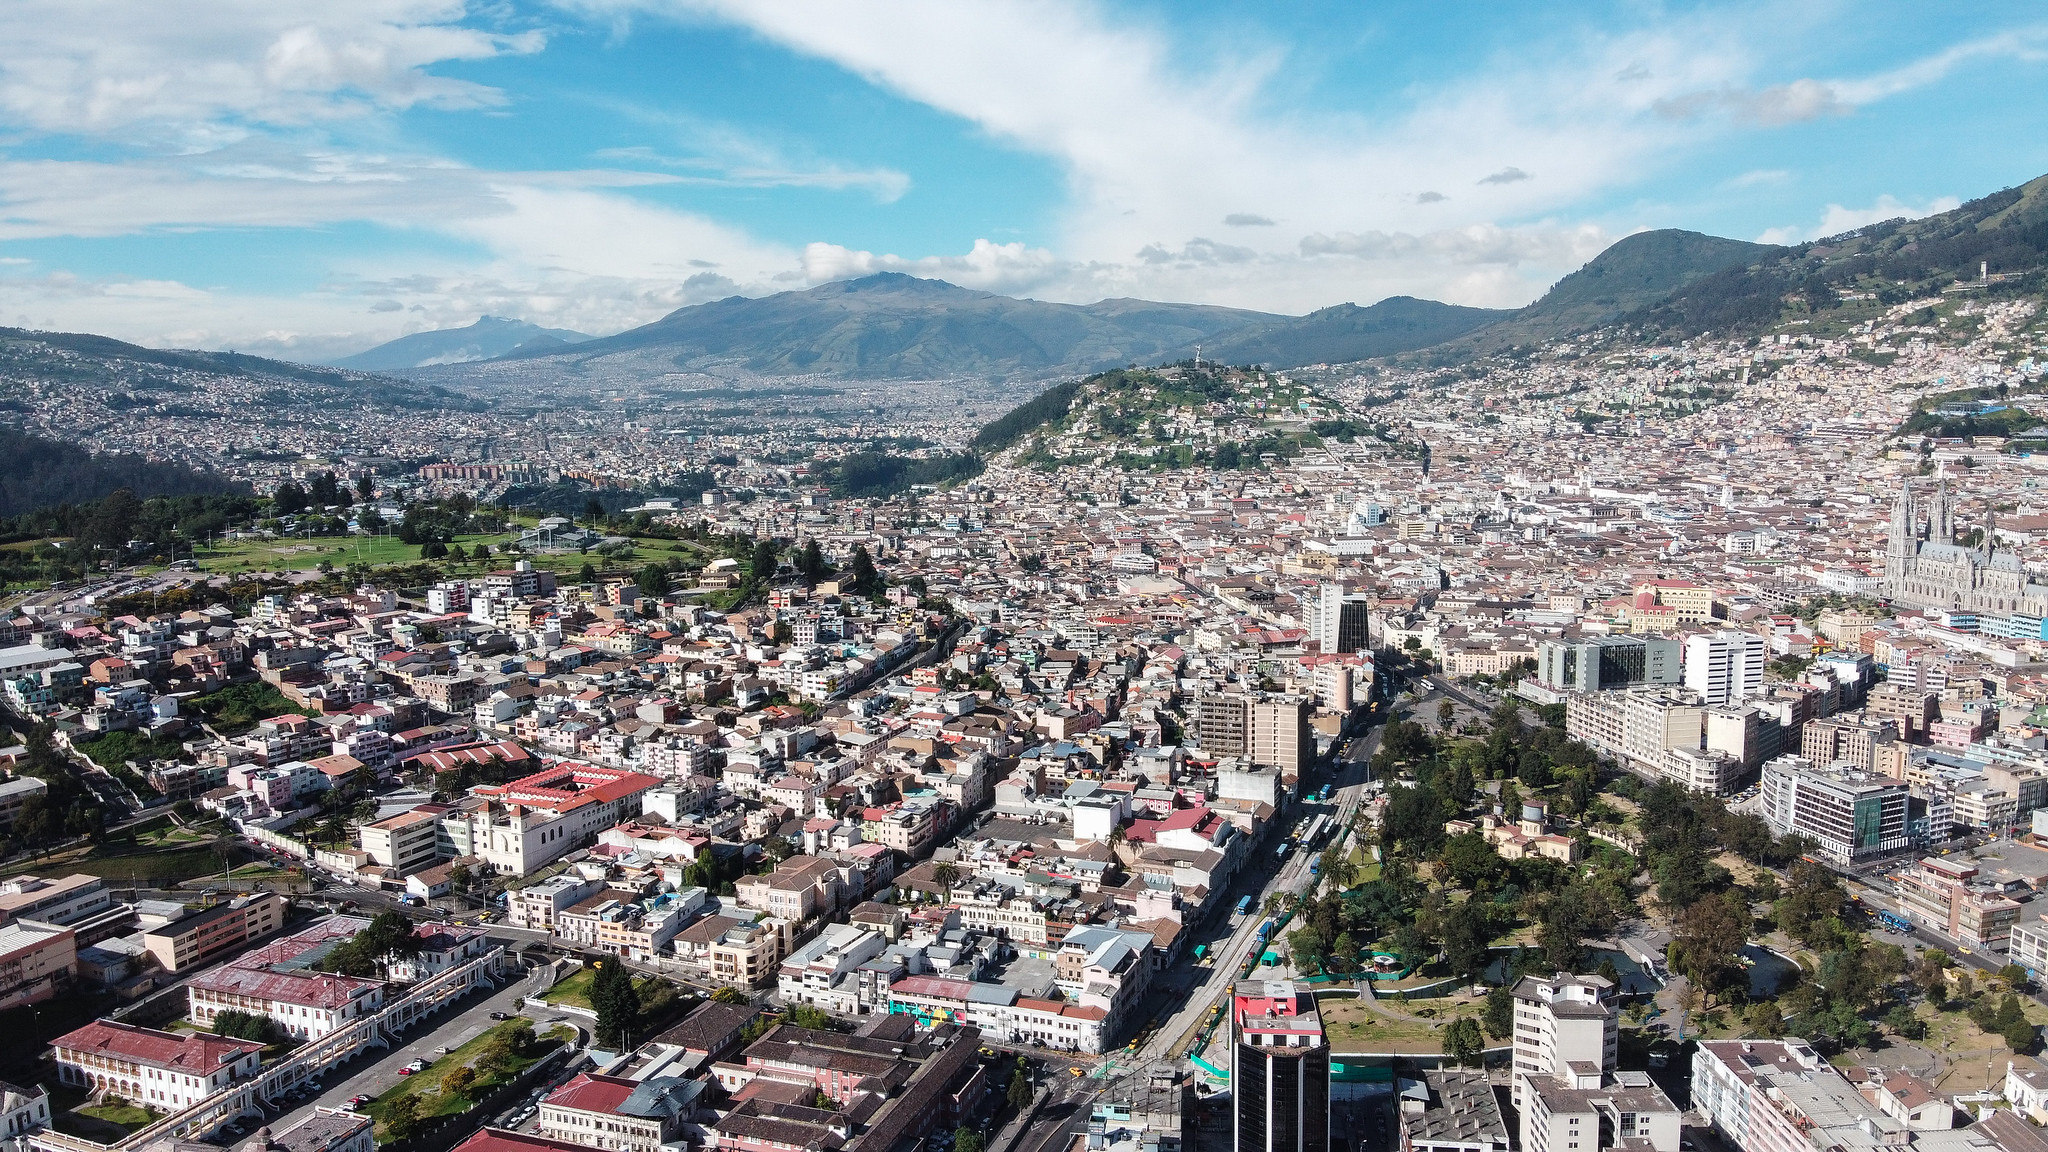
(1781, 1096)
(1639, 725)
(1849, 813)
(1561, 1021)
(1725, 666)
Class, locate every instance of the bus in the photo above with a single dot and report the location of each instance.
(1244, 905)
(1315, 866)
(1282, 853)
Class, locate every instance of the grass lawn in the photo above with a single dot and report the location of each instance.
(1353, 1026)
(240, 706)
(341, 551)
(116, 748)
(575, 989)
(119, 1111)
(125, 862)
(426, 1083)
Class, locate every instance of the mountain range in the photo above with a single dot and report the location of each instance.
(1665, 284)
(892, 326)
(490, 337)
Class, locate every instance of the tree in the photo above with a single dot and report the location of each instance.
(617, 1003)
(1471, 861)
(810, 562)
(652, 580)
(812, 1017)
(459, 1080)
(866, 581)
(1020, 1088)
(966, 1139)
(402, 1117)
(593, 510)
(366, 487)
(730, 995)
(1499, 1016)
(1904, 1024)
(1463, 1042)
(1763, 1020)
(586, 574)
(459, 878)
(1709, 936)
(765, 560)
(1811, 909)
(289, 498)
(1445, 712)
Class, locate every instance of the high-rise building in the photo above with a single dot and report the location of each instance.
(1340, 623)
(1570, 1096)
(1857, 740)
(1266, 729)
(1279, 734)
(1560, 1021)
(1848, 813)
(1222, 721)
(1279, 1069)
(1598, 663)
(1725, 666)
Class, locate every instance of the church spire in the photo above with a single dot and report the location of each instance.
(1938, 527)
(1902, 544)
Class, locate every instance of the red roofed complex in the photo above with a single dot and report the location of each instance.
(612, 1112)
(535, 820)
(163, 1070)
(280, 980)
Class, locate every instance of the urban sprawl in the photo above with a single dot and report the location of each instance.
(1601, 747)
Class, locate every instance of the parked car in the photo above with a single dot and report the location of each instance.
(500, 1016)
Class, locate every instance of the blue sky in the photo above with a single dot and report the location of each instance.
(308, 179)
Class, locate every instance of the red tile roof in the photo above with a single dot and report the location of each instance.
(187, 1052)
(500, 1140)
(588, 1093)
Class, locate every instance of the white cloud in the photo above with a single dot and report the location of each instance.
(1187, 146)
(1811, 99)
(887, 185)
(212, 69)
(1835, 219)
(1007, 268)
(1759, 177)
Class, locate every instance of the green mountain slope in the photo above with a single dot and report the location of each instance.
(1347, 332)
(140, 373)
(1633, 273)
(45, 473)
(1882, 264)
(895, 326)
